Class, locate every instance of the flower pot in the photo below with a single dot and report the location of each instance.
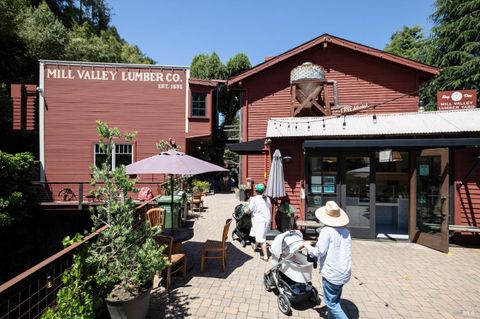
(136, 308)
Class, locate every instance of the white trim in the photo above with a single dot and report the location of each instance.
(41, 120)
(125, 65)
(187, 93)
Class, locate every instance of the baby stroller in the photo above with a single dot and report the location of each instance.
(243, 224)
(291, 273)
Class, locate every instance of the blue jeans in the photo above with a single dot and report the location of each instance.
(331, 297)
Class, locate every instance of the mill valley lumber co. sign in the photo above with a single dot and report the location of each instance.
(454, 100)
(164, 79)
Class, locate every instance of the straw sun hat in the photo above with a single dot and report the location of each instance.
(332, 215)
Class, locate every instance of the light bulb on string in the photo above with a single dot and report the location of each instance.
(344, 125)
(308, 127)
(374, 116)
(323, 124)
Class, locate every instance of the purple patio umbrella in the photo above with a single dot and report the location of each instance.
(172, 162)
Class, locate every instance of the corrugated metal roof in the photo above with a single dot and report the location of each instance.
(435, 122)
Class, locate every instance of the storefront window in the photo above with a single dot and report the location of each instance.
(322, 180)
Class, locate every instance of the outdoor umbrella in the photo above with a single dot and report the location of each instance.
(276, 181)
(172, 162)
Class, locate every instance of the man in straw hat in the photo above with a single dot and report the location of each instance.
(333, 250)
(259, 206)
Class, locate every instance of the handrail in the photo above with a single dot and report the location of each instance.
(40, 284)
(12, 282)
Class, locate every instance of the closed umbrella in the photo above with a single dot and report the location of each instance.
(172, 162)
(276, 182)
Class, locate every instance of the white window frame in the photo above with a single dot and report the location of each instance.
(114, 152)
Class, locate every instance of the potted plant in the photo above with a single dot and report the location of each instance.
(201, 186)
(287, 215)
(242, 192)
(125, 256)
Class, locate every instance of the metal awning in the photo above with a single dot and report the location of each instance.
(365, 125)
(392, 143)
(250, 147)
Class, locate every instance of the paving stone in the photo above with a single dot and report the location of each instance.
(415, 281)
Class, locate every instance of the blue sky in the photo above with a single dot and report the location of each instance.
(173, 32)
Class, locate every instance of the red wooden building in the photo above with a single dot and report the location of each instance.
(159, 102)
(397, 171)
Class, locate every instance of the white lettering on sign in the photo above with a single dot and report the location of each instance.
(345, 109)
(170, 80)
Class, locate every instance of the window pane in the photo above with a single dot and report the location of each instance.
(199, 104)
(123, 154)
(100, 159)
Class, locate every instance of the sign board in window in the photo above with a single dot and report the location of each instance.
(455, 100)
(424, 170)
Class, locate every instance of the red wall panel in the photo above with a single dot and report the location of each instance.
(155, 109)
(467, 197)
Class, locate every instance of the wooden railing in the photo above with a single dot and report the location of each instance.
(29, 294)
(78, 193)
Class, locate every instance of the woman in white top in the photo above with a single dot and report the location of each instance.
(260, 206)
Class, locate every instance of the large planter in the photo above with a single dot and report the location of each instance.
(136, 308)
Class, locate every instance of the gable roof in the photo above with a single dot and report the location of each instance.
(327, 38)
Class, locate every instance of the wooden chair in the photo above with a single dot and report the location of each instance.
(156, 217)
(197, 201)
(217, 247)
(178, 262)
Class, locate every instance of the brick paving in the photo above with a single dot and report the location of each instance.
(389, 280)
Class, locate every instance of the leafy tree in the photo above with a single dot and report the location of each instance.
(238, 64)
(44, 36)
(455, 47)
(16, 173)
(409, 43)
(208, 67)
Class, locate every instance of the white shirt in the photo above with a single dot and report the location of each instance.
(333, 251)
(260, 207)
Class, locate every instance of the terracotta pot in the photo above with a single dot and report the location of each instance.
(136, 308)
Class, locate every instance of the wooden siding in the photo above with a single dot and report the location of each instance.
(200, 126)
(73, 105)
(361, 78)
(467, 198)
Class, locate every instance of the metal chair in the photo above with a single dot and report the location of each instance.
(156, 217)
(218, 247)
(178, 262)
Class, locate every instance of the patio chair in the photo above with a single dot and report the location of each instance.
(156, 217)
(217, 247)
(197, 201)
(178, 261)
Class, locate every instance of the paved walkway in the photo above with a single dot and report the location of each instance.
(390, 280)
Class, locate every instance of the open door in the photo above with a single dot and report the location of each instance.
(429, 199)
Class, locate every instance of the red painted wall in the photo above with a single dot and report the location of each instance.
(200, 126)
(153, 106)
(467, 198)
(361, 79)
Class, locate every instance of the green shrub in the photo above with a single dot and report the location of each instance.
(201, 186)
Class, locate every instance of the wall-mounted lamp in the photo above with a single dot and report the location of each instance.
(49, 282)
(421, 107)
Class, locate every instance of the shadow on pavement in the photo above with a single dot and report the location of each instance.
(172, 305)
(348, 307)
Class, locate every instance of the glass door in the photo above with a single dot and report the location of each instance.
(429, 205)
(358, 194)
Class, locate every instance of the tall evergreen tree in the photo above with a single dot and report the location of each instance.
(455, 47)
(409, 43)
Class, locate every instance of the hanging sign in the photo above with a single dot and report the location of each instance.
(455, 100)
(353, 108)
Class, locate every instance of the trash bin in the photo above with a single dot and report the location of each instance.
(164, 202)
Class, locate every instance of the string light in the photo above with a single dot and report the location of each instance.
(344, 125)
(308, 126)
(296, 127)
(324, 124)
(374, 116)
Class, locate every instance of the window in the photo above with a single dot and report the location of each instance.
(122, 155)
(199, 104)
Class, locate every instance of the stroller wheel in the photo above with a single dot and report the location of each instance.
(314, 298)
(284, 304)
(267, 284)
